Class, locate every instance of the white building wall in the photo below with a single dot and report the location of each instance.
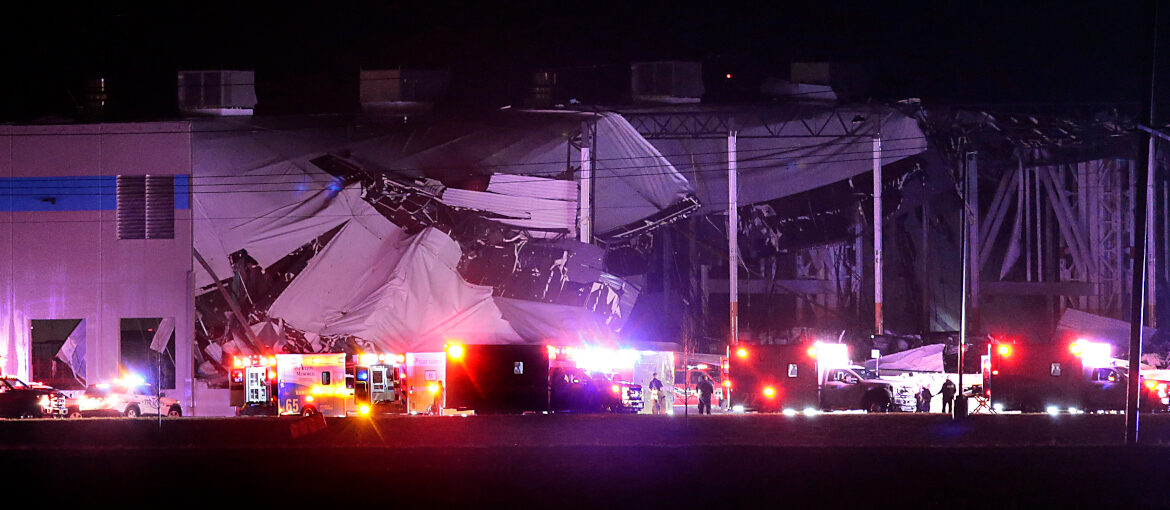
(66, 263)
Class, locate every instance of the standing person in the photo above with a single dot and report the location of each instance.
(705, 389)
(924, 397)
(657, 394)
(948, 395)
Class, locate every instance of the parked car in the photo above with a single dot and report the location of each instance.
(121, 398)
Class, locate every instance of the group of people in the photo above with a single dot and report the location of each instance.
(705, 388)
(947, 392)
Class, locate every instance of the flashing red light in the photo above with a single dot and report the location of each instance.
(727, 383)
(1004, 350)
(741, 352)
(812, 352)
(1151, 384)
(616, 388)
(271, 374)
(728, 76)
(455, 352)
(769, 392)
(995, 372)
(237, 362)
(1075, 348)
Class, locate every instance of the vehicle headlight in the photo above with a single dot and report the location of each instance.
(45, 402)
(88, 403)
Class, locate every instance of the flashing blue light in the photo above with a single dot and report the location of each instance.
(334, 187)
(363, 375)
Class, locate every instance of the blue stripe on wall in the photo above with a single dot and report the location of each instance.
(81, 193)
(182, 192)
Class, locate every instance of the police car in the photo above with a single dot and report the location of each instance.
(130, 397)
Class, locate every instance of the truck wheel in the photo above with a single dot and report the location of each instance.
(74, 412)
(175, 410)
(308, 411)
(877, 403)
(133, 411)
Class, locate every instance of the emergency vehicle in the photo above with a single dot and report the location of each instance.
(594, 380)
(425, 373)
(289, 384)
(1067, 376)
(323, 383)
(809, 378)
(497, 378)
(378, 382)
(21, 400)
(130, 396)
(533, 378)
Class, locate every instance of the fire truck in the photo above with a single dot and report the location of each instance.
(1066, 376)
(322, 383)
(809, 378)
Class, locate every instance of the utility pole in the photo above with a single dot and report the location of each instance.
(878, 324)
(1137, 303)
(970, 218)
(733, 237)
(1138, 269)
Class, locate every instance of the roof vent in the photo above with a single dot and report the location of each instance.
(666, 82)
(220, 93)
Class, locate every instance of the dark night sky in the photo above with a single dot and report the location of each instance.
(1021, 52)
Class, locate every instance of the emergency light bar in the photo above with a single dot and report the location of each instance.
(830, 355)
(1092, 354)
(254, 360)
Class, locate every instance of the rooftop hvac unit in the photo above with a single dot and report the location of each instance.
(390, 86)
(217, 92)
(667, 82)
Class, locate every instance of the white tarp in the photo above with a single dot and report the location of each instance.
(15, 341)
(255, 190)
(800, 147)
(554, 323)
(928, 358)
(400, 292)
(1096, 327)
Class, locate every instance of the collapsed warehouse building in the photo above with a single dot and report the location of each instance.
(401, 239)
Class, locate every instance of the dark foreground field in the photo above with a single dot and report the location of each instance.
(850, 461)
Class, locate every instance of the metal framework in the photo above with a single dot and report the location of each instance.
(1071, 225)
(839, 121)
